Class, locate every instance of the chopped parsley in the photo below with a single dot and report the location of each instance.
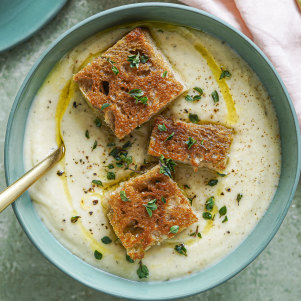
(97, 255)
(97, 182)
(123, 196)
(150, 207)
(114, 68)
(74, 219)
(210, 203)
(224, 74)
(164, 74)
(174, 229)
(239, 197)
(162, 127)
(163, 199)
(207, 215)
(215, 96)
(106, 240)
(190, 142)
(87, 134)
(142, 271)
(196, 233)
(223, 211)
(98, 122)
(194, 118)
(127, 144)
(129, 259)
(198, 90)
(137, 94)
(94, 145)
(225, 219)
(167, 166)
(181, 249)
(212, 182)
(110, 175)
(104, 106)
(110, 166)
(170, 136)
(136, 59)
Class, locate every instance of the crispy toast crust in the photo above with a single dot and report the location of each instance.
(211, 149)
(101, 85)
(130, 220)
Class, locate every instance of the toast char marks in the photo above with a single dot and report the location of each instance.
(130, 220)
(210, 150)
(101, 85)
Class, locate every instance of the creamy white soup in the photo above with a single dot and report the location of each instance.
(72, 206)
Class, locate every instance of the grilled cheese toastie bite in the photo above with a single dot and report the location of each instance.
(200, 145)
(130, 82)
(148, 209)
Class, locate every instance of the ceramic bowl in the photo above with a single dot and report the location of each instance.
(249, 248)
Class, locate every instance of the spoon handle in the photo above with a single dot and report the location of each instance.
(12, 192)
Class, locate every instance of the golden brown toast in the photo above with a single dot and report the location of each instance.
(132, 222)
(134, 78)
(208, 145)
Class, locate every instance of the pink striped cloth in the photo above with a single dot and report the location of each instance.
(274, 25)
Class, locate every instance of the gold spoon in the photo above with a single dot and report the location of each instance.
(12, 192)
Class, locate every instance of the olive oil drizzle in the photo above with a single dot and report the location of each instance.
(65, 98)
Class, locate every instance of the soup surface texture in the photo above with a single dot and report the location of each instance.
(60, 113)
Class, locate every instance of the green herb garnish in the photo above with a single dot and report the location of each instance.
(207, 215)
(136, 59)
(174, 229)
(150, 207)
(163, 199)
(164, 74)
(224, 74)
(190, 142)
(212, 182)
(94, 145)
(181, 249)
(196, 233)
(137, 94)
(225, 219)
(167, 166)
(123, 196)
(209, 203)
(215, 96)
(98, 122)
(129, 259)
(142, 271)
(221, 174)
(74, 219)
(97, 182)
(194, 118)
(111, 144)
(191, 98)
(186, 186)
(198, 90)
(104, 106)
(162, 127)
(114, 68)
(170, 136)
(106, 240)
(97, 255)
(110, 175)
(223, 211)
(127, 144)
(87, 134)
(238, 198)
(110, 166)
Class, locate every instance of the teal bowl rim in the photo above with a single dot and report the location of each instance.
(132, 285)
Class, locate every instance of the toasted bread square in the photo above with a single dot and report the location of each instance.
(208, 146)
(133, 225)
(110, 78)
